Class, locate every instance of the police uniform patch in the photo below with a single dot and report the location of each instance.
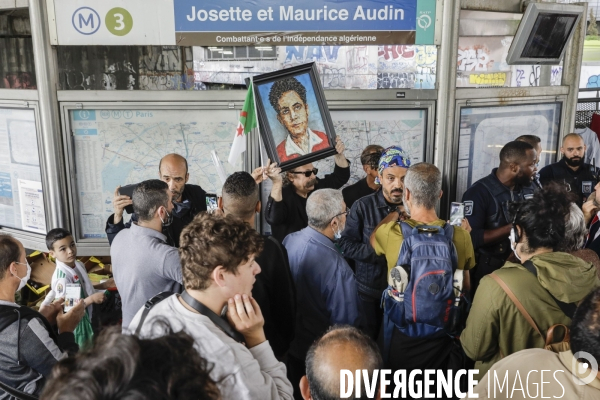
(528, 196)
(61, 287)
(469, 207)
(586, 187)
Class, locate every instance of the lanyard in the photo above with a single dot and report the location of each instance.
(217, 320)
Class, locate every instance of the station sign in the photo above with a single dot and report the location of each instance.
(241, 22)
(112, 22)
(310, 22)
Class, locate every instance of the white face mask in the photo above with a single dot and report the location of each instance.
(25, 278)
(513, 243)
(337, 233)
(169, 219)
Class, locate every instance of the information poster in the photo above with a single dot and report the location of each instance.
(21, 195)
(32, 206)
(124, 146)
(485, 130)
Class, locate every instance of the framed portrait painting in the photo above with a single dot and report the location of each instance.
(293, 117)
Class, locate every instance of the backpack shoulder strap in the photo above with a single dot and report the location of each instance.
(148, 306)
(407, 231)
(19, 395)
(517, 303)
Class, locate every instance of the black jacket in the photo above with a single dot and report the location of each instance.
(364, 216)
(582, 181)
(192, 193)
(356, 191)
(275, 294)
(289, 214)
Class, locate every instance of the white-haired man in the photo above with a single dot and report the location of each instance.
(326, 289)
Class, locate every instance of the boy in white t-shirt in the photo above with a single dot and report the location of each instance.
(68, 270)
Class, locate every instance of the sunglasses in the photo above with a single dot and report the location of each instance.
(306, 173)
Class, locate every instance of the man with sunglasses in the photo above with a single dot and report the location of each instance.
(286, 207)
(142, 261)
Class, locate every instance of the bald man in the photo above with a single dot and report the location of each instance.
(579, 177)
(188, 200)
(340, 348)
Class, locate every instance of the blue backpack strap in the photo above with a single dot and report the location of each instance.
(449, 232)
(407, 231)
(388, 331)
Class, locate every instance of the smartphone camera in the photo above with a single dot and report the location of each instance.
(457, 213)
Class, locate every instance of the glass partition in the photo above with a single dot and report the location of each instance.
(484, 130)
(112, 147)
(21, 194)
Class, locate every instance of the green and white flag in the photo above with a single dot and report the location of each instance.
(246, 124)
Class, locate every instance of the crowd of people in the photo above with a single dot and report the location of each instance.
(365, 278)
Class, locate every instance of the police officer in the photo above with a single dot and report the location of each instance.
(486, 206)
(536, 142)
(571, 171)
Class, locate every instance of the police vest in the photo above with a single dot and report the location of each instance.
(581, 184)
(502, 198)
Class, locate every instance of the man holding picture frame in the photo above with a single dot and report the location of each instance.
(286, 207)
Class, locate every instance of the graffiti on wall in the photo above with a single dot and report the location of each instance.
(340, 67)
(17, 69)
(126, 68)
(406, 67)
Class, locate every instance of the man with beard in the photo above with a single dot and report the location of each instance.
(486, 206)
(571, 170)
(422, 191)
(286, 207)
(366, 213)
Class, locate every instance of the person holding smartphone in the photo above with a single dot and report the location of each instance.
(29, 347)
(188, 200)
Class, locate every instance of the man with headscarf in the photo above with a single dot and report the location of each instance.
(365, 215)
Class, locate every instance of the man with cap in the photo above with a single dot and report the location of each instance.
(366, 213)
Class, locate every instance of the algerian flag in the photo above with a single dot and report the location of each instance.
(246, 124)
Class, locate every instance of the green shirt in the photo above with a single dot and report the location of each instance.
(388, 239)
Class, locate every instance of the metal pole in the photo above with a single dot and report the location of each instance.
(444, 119)
(51, 152)
(572, 71)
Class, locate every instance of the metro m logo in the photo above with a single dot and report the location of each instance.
(86, 20)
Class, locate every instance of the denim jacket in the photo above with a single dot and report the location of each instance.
(371, 270)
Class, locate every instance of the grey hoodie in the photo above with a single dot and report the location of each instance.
(28, 352)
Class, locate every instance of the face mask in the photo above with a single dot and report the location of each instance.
(513, 243)
(25, 278)
(168, 221)
(337, 235)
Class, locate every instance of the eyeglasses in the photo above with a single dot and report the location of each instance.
(307, 173)
(342, 213)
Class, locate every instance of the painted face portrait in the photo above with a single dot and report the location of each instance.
(293, 114)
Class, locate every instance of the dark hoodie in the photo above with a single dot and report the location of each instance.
(29, 348)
